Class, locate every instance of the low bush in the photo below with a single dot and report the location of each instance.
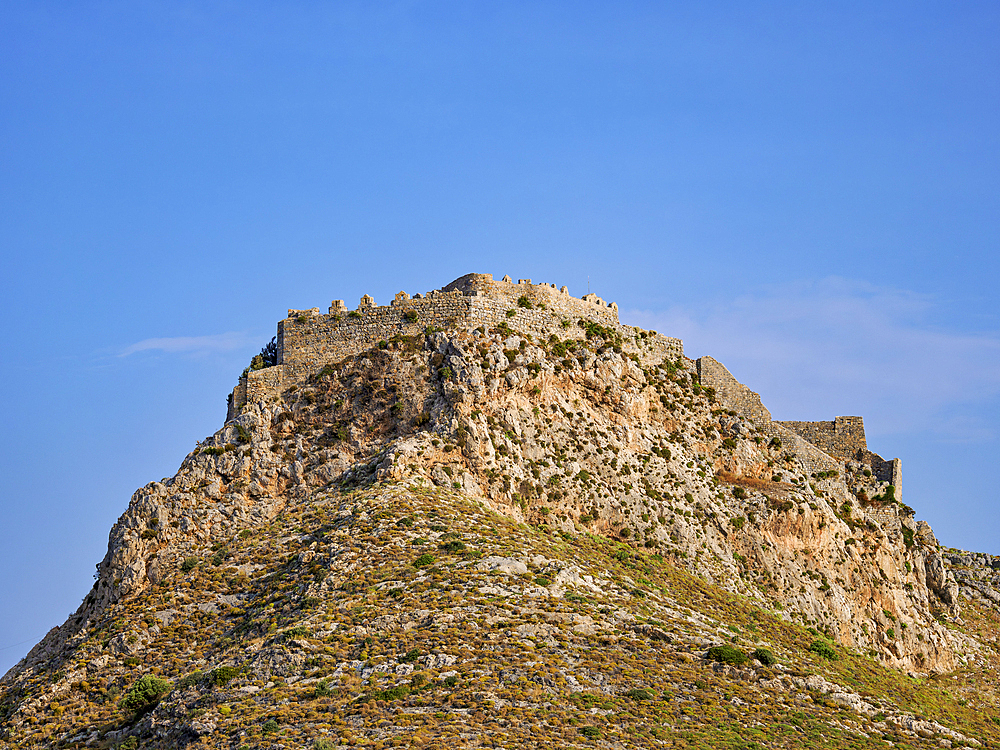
(322, 689)
(824, 649)
(144, 694)
(641, 694)
(222, 675)
(726, 654)
(764, 656)
(192, 679)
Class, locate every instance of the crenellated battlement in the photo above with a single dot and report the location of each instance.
(308, 339)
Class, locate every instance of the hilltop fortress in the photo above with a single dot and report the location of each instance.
(308, 340)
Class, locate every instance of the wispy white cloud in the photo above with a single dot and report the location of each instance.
(837, 346)
(216, 343)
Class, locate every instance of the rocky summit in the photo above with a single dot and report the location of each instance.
(494, 516)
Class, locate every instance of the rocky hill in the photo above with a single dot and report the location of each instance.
(493, 515)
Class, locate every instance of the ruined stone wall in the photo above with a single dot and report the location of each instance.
(308, 339)
(844, 437)
(813, 459)
(821, 445)
(731, 393)
(558, 302)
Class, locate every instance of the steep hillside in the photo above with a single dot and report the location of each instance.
(503, 535)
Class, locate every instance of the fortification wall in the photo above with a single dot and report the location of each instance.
(813, 459)
(309, 339)
(820, 445)
(732, 393)
(844, 437)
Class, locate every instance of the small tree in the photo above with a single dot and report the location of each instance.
(726, 654)
(144, 694)
(268, 356)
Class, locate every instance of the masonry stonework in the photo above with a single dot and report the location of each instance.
(823, 446)
(308, 339)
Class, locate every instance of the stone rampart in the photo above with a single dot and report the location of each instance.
(308, 339)
(843, 438)
(821, 446)
(732, 393)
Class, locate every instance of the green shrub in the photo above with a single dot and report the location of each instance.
(269, 727)
(591, 732)
(410, 656)
(192, 679)
(190, 563)
(641, 694)
(323, 743)
(423, 561)
(453, 547)
(391, 694)
(131, 743)
(451, 680)
(410, 316)
(525, 303)
(907, 536)
(144, 693)
(322, 689)
(726, 654)
(764, 656)
(222, 675)
(824, 649)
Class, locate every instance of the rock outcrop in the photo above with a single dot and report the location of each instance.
(576, 485)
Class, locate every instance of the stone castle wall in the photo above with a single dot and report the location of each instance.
(821, 446)
(732, 393)
(308, 339)
(842, 438)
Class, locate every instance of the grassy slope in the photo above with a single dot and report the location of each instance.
(523, 675)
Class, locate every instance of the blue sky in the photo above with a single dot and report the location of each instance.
(806, 191)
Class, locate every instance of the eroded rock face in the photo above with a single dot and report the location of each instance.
(574, 435)
(571, 435)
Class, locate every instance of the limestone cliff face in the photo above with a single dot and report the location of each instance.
(572, 434)
(579, 427)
